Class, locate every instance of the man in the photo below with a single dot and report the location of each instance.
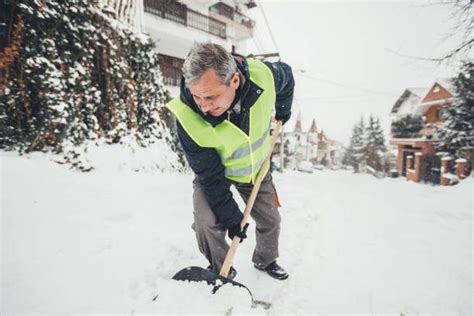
(223, 123)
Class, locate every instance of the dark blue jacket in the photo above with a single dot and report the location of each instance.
(205, 162)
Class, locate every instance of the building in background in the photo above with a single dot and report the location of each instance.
(128, 11)
(417, 158)
(311, 146)
(176, 25)
(407, 103)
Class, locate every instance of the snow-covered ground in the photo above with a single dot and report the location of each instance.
(110, 240)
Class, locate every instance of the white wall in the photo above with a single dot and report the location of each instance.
(174, 39)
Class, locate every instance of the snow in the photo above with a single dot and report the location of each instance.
(109, 241)
(450, 176)
(143, 38)
(60, 107)
(129, 156)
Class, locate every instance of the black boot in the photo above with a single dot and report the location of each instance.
(274, 270)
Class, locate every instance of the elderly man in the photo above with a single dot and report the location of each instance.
(223, 123)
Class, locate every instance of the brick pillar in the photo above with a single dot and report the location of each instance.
(410, 174)
(444, 169)
(417, 167)
(461, 168)
(400, 160)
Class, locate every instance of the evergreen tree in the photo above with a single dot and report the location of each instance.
(457, 133)
(355, 152)
(374, 144)
(407, 126)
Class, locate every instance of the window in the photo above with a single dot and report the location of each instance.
(443, 114)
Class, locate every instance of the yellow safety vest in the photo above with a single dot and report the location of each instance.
(242, 155)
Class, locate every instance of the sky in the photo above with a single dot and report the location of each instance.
(352, 59)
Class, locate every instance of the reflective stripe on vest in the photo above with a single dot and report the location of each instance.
(239, 153)
(242, 155)
(244, 171)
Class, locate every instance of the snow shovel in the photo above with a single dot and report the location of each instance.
(217, 280)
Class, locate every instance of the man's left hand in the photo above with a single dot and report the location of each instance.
(283, 118)
(236, 231)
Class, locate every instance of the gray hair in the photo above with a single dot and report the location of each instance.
(205, 56)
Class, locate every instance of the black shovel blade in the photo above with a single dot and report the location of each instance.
(198, 274)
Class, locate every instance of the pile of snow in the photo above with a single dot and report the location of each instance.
(128, 155)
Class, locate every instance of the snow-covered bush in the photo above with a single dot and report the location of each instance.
(75, 74)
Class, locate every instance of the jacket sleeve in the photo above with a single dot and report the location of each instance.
(206, 164)
(284, 88)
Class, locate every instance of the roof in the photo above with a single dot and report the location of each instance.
(448, 84)
(411, 100)
(420, 92)
(416, 142)
(407, 102)
(298, 128)
(443, 96)
(313, 128)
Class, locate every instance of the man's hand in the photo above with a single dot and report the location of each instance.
(236, 231)
(283, 118)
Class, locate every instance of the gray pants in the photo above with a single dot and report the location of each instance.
(210, 234)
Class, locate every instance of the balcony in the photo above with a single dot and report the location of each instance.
(171, 69)
(179, 13)
(230, 13)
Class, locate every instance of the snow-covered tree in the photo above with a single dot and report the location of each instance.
(74, 73)
(355, 152)
(374, 144)
(456, 135)
(407, 126)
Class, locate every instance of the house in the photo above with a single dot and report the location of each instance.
(312, 145)
(417, 158)
(407, 102)
(176, 25)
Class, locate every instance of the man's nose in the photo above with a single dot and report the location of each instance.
(206, 105)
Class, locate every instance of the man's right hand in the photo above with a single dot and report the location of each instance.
(236, 231)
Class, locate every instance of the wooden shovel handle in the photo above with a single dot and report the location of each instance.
(229, 258)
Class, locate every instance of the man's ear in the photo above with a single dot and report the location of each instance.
(235, 81)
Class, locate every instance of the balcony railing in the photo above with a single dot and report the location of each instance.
(180, 13)
(229, 12)
(171, 69)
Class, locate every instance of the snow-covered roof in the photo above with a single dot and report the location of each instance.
(411, 100)
(420, 92)
(408, 101)
(446, 84)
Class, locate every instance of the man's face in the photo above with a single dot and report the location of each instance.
(211, 95)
